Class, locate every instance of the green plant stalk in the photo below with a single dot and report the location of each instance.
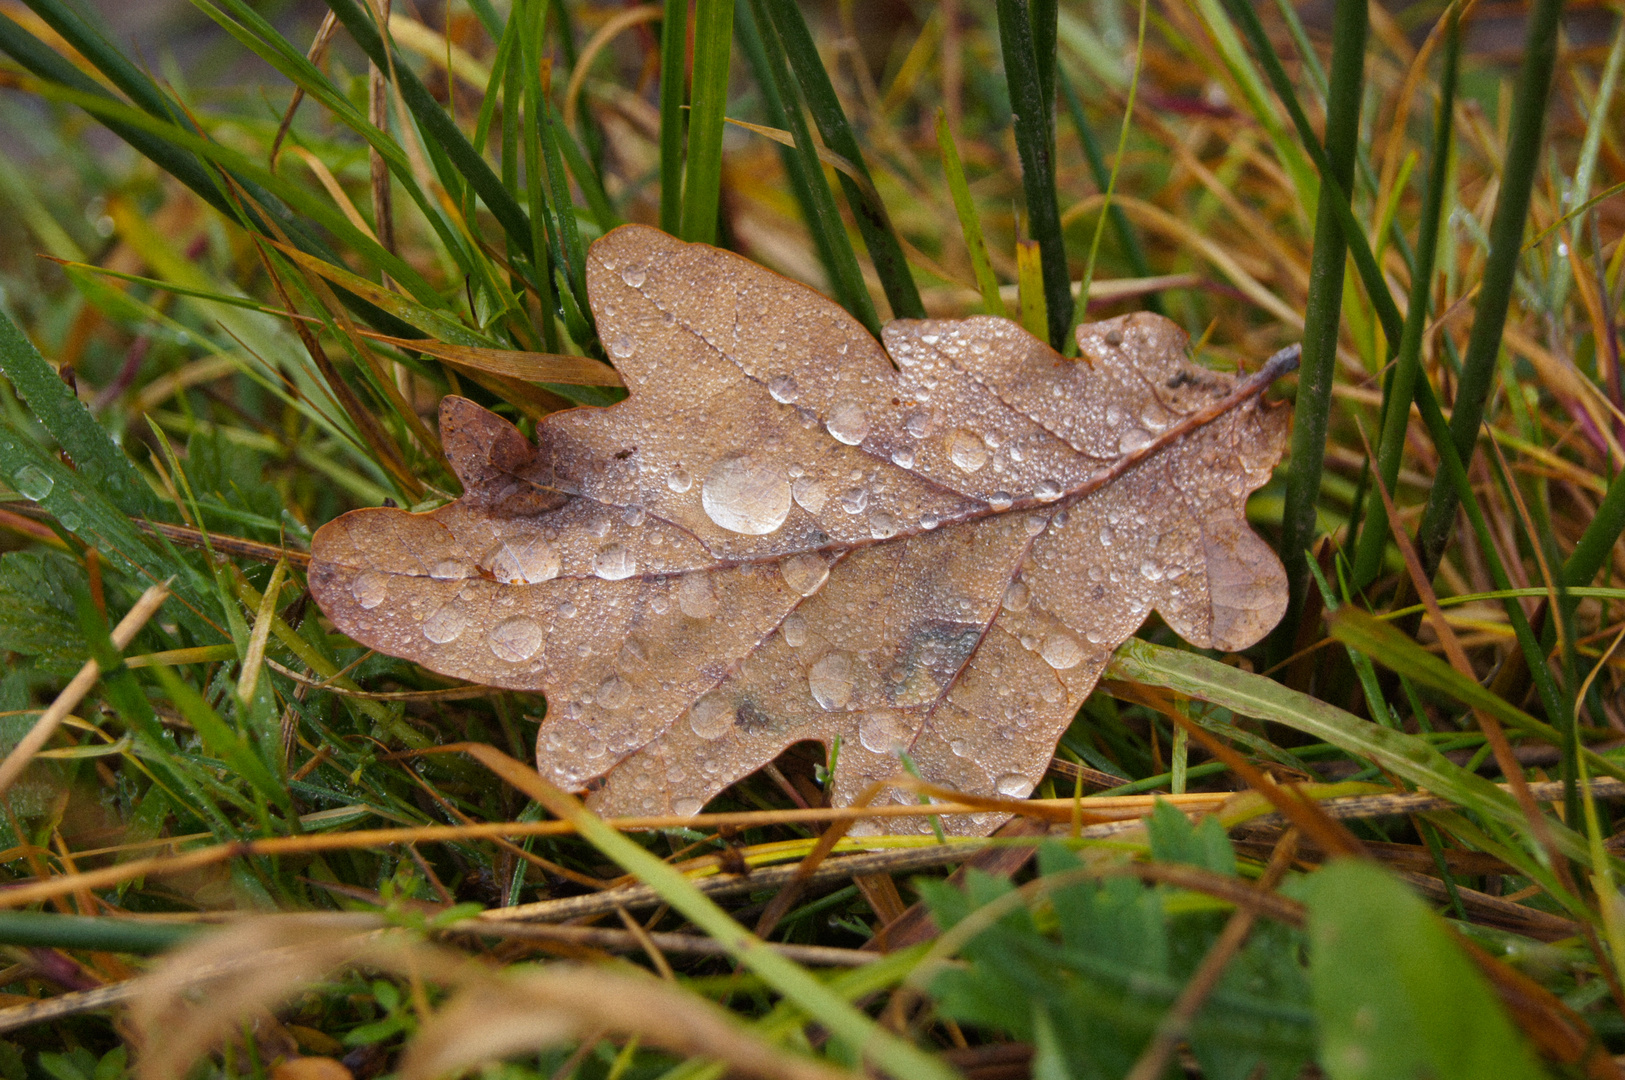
(807, 178)
(1598, 543)
(1035, 143)
(50, 930)
(1322, 316)
(673, 77)
(702, 184)
(885, 250)
(1030, 292)
(1133, 250)
(969, 223)
(1500, 268)
(1401, 389)
(1589, 148)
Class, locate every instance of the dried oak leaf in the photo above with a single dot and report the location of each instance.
(781, 536)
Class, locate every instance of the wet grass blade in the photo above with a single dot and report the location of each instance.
(1032, 99)
(807, 178)
(969, 223)
(673, 81)
(885, 250)
(1323, 314)
(1401, 388)
(702, 182)
(1501, 268)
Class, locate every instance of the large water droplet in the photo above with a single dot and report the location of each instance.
(783, 389)
(1061, 651)
(614, 563)
(687, 807)
(918, 424)
(1133, 439)
(1017, 596)
(446, 625)
(747, 496)
(882, 525)
(794, 629)
(712, 716)
(1151, 570)
(32, 482)
(966, 450)
(810, 494)
(881, 731)
(831, 681)
(370, 588)
(1108, 536)
(848, 422)
(1000, 500)
(1013, 784)
(855, 500)
(527, 562)
(1047, 490)
(679, 480)
(614, 693)
(805, 572)
(696, 596)
(517, 639)
(634, 276)
(622, 347)
(903, 457)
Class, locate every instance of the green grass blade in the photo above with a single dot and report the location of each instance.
(702, 184)
(970, 224)
(673, 77)
(1501, 268)
(221, 741)
(885, 250)
(1323, 314)
(95, 456)
(1601, 537)
(1035, 143)
(1401, 389)
(47, 929)
(807, 178)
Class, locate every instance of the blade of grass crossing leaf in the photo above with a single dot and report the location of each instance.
(1501, 267)
(1401, 389)
(885, 250)
(1127, 237)
(843, 1021)
(702, 183)
(970, 224)
(673, 79)
(1024, 72)
(1323, 314)
(807, 178)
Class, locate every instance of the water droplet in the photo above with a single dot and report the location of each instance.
(687, 807)
(614, 693)
(660, 603)
(622, 347)
(1035, 524)
(634, 276)
(614, 563)
(450, 570)
(1151, 570)
(712, 716)
(1013, 784)
(967, 451)
(69, 520)
(848, 422)
(32, 482)
(810, 494)
(855, 500)
(805, 573)
(831, 681)
(679, 480)
(696, 596)
(370, 588)
(567, 609)
(1000, 500)
(1134, 439)
(1047, 490)
(1061, 651)
(783, 388)
(929, 521)
(746, 496)
(903, 457)
(633, 515)
(794, 629)
(1017, 596)
(1108, 536)
(528, 562)
(599, 526)
(1114, 338)
(516, 639)
(445, 625)
(882, 525)
(918, 424)
(881, 731)
(1114, 415)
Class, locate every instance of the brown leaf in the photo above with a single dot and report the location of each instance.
(780, 536)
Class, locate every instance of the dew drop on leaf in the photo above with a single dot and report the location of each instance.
(1061, 651)
(712, 716)
(810, 494)
(783, 389)
(614, 563)
(967, 451)
(32, 482)
(696, 596)
(370, 588)
(679, 480)
(881, 731)
(1013, 784)
(446, 625)
(745, 495)
(805, 572)
(831, 681)
(527, 562)
(848, 422)
(517, 639)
